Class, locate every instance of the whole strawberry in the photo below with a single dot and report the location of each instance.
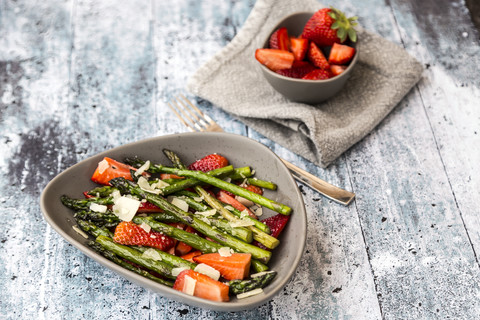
(328, 26)
(208, 163)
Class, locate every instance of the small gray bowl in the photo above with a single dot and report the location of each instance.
(299, 90)
(240, 151)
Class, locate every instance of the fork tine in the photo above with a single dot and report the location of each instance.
(201, 121)
(188, 125)
(203, 115)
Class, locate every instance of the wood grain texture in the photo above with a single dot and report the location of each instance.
(79, 76)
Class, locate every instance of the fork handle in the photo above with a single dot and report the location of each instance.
(328, 190)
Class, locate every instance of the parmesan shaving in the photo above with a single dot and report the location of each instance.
(259, 274)
(98, 207)
(153, 254)
(245, 202)
(125, 208)
(176, 271)
(225, 251)
(102, 166)
(145, 227)
(142, 169)
(189, 285)
(180, 203)
(208, 271)
(241, 223)
(229, 208)
(207, 213)
(247, 294)
(258, 211)
(80, 232)
(145, 186)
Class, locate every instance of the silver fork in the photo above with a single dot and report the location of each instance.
(195, 120)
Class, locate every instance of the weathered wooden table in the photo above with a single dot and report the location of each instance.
(80, 76)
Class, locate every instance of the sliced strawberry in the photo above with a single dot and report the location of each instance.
(341, 54)
(108, 169)
(253, 189)
(205, 287)
(336, 69)
(276, 224)
(182, 248)
(234, 267)
(147, 207)
(85, 193)
(208, 163)
(274, 59)
(298, 70)
(164, 176)
(129, 233)
(189, 256)
(279, 39)
(318, 74)
(299, 47)
(316, 56)
(225, 198)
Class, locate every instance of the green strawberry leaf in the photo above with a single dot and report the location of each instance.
(352, 35)
(335, 25)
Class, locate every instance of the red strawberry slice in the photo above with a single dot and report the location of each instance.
(208, 163)
(129, 233)
(276, 224)
(147, 207)
(108, 169)
(299, 47)
(336, 69)
(234, 267)
(164, 176)
(182, 248)
(225, 198)
(279, 39)
(274, 59)
(318, 74)
(316, 56)
(205, 287)
(341, 54)
(189, 256)
(298, 70)
(253, 188)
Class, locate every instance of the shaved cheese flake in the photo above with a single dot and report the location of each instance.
(176, 271)
(142, 169)
(180, 203)
(204, 219)
(247, 294)
(125, 208)
(145, 227)
(198, 199)
(244, 214)
(116, 194)
(225, 251)
(102, 166)
(258, 211)
(253, 172)
(160, 184)
(189, 285)
(229, 208)
(153, 254)
(80, 232)
(145, 186)
(207, 213)
(98, 207)
(241, 223)
(245, 202)
(227, 179)
(259, 274)
(208, 271)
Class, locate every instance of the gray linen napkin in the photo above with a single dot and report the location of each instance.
(232, 80)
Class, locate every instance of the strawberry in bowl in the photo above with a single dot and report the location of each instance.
(309, 56)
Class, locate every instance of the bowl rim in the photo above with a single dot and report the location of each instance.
(164, 291)
(273, 73)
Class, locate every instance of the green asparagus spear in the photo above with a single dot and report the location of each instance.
(257, 223)
(84, 204)
(260, 236)
(136, 257)
(92, 229)
(261, 281)
(103, 217)
(261, 200)
(174, 261)
(262, 183)
(101, 192)
(112, 257)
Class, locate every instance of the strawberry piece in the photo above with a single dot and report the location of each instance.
(129, 233)
(164, 176)
(189, 256)
(341, 54)
(253, 189)
(205, 287)
(182, 248)
(336, 69)
(318, 74)
(274, 59)
(109, 169)
(234, 267)
(147, 207)
(316, 56)
(225, 198)
(279, 39)
(298, 70)
(276, 224)
(319, 27)
(208, 163)
(299, 48)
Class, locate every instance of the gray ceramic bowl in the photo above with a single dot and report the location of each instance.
(298, 90)
(240, 151)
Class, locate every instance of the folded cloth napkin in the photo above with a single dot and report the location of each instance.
(233, 81)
